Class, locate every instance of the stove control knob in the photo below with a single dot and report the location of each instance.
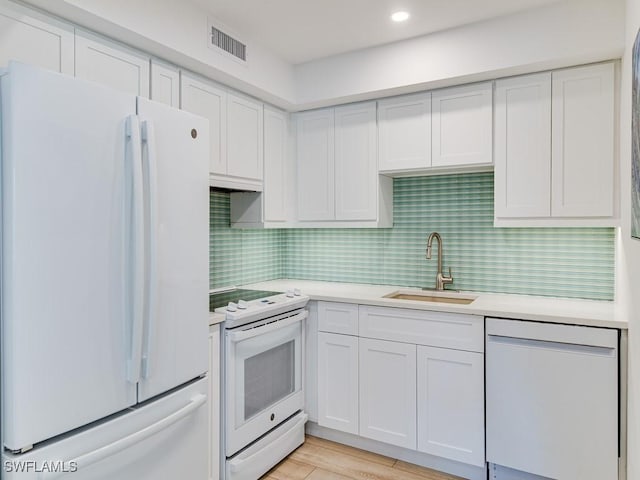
(232, 307)
(243, 304)
(289, 293)
(297, 292)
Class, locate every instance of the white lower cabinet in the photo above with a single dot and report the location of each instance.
(451, 404)
(409, 378)
(214, 402)
(311, 363)
(338, 382)
(388, 392)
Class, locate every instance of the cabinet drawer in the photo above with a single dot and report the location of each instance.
(338, 318)
(436, 329)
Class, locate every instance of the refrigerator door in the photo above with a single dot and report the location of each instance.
(176, 172)
(166, 438)
(65, 236)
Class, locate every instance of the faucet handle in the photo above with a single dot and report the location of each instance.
(448, 279)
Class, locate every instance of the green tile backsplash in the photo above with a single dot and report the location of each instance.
(565, 262)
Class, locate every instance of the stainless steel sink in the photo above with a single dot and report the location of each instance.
(433, 296)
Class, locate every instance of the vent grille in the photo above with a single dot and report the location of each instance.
(229, 44)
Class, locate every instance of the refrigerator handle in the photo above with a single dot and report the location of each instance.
(106, 451)
(136, 249)
(149, 161)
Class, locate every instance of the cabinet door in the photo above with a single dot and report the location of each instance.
(523, 147)
(311, 363)
(338, 382)
(210, 101)
(451, 404)
(33, 38)
(356, 158)
(315, 162)
(404, 126)
(214, 402)
(388, 392)
(244, 137)
(583, 142)
(102, 61)
(462, 125)
(276, 165)
(165, 84)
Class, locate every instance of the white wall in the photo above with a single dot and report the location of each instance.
(177, 31)
(561, 34)
(629, 249)
(565, 33)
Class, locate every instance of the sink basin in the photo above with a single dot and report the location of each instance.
(433, 296)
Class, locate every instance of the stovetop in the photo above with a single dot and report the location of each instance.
(222, 299)
(241, 307)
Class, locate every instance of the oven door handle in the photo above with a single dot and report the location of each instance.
(269, 327)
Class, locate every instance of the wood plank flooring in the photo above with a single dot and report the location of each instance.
(319, 459)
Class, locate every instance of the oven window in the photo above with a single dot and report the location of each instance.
(268, 378)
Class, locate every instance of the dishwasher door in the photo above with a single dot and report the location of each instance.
(552, 399)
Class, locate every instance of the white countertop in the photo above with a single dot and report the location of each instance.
(545, 309)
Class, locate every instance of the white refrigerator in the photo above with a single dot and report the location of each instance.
(104, 282)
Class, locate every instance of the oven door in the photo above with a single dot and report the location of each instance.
(263, 378)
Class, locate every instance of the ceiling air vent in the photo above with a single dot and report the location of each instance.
(223, 41)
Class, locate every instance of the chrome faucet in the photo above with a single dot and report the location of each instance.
(441, 280)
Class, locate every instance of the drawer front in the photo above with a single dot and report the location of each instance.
(436, 329)
(338, 318)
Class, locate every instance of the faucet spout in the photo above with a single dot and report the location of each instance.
(441, 280)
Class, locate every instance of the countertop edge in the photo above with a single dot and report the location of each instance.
(590, 313)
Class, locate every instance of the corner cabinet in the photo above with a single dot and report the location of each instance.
(408, 378)
(337, 173)
(274, 206)
(555, 148)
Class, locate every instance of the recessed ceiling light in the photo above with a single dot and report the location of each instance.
(400, 16)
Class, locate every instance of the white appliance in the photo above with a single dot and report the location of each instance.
(104, 282)
(552, 401)
(263, 382)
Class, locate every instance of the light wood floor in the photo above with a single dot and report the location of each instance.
(319, 459)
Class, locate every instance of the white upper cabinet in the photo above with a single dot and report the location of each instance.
(404, 128)
(462, 125)
(29, 37)
(338, 182)
(523, 146)
(555, 148)
(165, 83)
(274, 206)
(277, 168)
(583, 120)
(208, 100)
(356, 158)
(109, 63)
(315, 162)
(244, 138)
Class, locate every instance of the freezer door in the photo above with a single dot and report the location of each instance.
(175, 158)
(65, 235)
(166, 438)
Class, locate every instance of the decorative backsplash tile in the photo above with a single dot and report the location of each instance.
(565, 262)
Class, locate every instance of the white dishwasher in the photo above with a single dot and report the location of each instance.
(551, 400)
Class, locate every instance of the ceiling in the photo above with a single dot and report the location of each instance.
(303, 30)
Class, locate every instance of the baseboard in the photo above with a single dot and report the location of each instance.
(451, 467)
